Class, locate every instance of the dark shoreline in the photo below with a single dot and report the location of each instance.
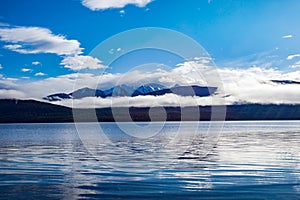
(31, 111)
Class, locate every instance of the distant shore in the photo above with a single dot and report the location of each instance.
(31, 111)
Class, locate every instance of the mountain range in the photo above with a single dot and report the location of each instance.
(131, 91)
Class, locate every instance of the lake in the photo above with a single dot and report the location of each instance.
(173, 160)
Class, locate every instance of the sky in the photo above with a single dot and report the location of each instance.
(47, 46)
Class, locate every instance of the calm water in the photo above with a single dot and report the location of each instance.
(248, 160)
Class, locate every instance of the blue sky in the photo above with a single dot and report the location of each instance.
(236, 34)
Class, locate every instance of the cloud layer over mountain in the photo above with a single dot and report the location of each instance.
(251, 85)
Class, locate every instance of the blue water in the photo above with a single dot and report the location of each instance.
(247, 160)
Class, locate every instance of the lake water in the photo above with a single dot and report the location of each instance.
(247, 160)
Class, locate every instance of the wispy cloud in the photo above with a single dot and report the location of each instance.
(1, 67)
(287, 36)
(296, 65)
(107, 4)
(290, 57)
(266, 59)
(4, 24)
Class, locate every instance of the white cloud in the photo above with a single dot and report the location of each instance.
(32, 40)
(14, 47)
(65, 83)
(36, 63)
(107, 4)
(39, 74)
(1, 67)
(251, 85)
(11, 94)
(261, 60)
(9, 89)
(122, 13)
(25, 70)
(287, 36)
(296, 65)
(290, 57)
(79, 62)
(139, 101)
(8, 83)
(186, 73)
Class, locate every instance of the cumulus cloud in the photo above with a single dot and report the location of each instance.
(107, 4)
(39, 74)
(32, 40)
(25, 70)
(79, 62)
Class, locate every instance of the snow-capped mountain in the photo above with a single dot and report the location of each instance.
(120, 90)
(148, 88)
(125, 90)
(86, 92)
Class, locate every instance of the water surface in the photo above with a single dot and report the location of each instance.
(248, 160)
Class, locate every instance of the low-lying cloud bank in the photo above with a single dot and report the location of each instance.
(140, 101)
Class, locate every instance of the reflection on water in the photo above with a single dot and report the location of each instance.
(250, 160)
